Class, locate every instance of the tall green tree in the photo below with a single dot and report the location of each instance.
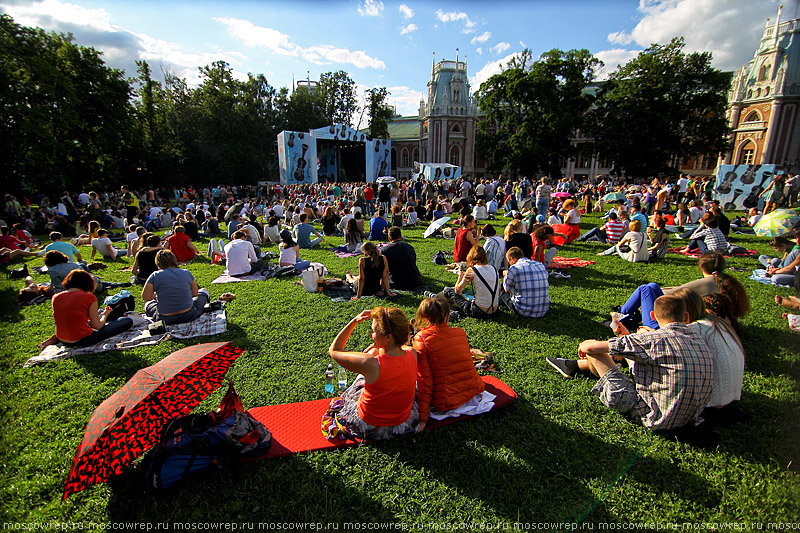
(380, 113)
(337, 93)
(661, 106)
(533, 108)
(65, 114)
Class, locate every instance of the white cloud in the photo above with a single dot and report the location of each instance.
(405, 100)
(457, 16)
(491, 68)
(371, 8)
(482, 38)
(730, 29)
(259, 36)
(523, 45)
(406, 11)
(479, 50)
(408, 29)
(499, 48)
(613, 58)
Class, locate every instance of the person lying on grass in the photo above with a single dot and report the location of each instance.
(380, 402)
(76, 315)
(446, 375)
(672, 375)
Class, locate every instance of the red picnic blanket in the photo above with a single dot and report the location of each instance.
(569, 262)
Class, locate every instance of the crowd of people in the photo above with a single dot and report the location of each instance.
(680, 343)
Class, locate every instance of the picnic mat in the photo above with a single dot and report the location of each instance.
(698, 253)
(208, 324)
(340, 294)
(226, 278)
(760, 275)
(295, 427)
(339, 253)
(569, 262)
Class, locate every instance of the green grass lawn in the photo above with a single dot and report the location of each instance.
(555, 455)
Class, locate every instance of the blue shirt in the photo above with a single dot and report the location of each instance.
(641, 217)
(303, 234)
(65, 248)
(173, 288)
(376, 228)
(528, 282)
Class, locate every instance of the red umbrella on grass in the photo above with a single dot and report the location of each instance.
(130, 422)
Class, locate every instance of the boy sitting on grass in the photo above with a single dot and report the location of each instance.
(672, 373)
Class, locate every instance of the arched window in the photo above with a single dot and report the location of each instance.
(764, 72)
(455, 156)
(750, 93)
(415, 154)
(747, 153)
(753, 116)
(455, 129)
(404, 158)
(758, 92)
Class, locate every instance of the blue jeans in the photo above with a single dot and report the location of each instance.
(542, 206)
(106, 332)
(194, 312)
(700, 244)
(596, 234)
(644, 297)
(768, 261)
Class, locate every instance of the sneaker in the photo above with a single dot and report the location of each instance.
(567, 367)
(564, 275)
(429, 294)
(455, 315)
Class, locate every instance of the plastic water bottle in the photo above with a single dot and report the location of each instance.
(342, 378)
(329, 383)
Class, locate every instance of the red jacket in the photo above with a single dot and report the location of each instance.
(446, 375)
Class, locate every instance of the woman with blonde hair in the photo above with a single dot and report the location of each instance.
(373, 274)
(380, 403)
(515, 235)
(446, 375)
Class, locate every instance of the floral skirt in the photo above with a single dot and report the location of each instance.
(349, 416)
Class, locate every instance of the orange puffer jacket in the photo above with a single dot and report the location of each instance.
(446, 375)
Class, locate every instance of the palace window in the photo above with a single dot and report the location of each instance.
(753, 117)
(455, 156)
(404, 158)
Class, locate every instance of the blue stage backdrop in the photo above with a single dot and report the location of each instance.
(738, 186)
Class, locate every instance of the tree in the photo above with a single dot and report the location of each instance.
(659, 107)
(337, 93)
(533, 108)
(379, 113)
(65, 115)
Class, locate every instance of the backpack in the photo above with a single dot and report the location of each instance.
(120, 303)
(440, 258)
(198, 442)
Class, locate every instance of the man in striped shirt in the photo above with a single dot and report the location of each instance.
(673, 370)
(609, 233)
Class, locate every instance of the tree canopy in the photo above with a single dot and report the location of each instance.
(661, 106)
(532, 110)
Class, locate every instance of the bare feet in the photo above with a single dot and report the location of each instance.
(791, 302)
(47, 342)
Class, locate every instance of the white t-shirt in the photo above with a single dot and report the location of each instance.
(479, 212)
(278, 208)
(728, 362)
(483, 294)
(573, 217)
(239, 253)
(155, 212)
(101, 245)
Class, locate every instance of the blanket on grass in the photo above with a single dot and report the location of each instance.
(760, 275)
(208, 324)
(569, 262)
(338, 252)
(295, 427)
(697, 253)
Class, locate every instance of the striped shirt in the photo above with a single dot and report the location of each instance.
(614, 230)
(673, 370)
(528, 282)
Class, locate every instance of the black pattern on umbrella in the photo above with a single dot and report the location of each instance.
(131, 420)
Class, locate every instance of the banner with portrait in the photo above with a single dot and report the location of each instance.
(738, 186)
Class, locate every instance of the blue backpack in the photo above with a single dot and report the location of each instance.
(196, 442)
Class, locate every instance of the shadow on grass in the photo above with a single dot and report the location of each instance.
(9, 311)
(754, 337)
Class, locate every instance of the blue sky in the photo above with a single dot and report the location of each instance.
(390, 44)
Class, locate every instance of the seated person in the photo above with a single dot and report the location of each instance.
(411, 216)
(446, 375)
(724, 344)
(465, 238)
(782, 269)
(714, 280)
(102, 244)
(707, 236)
(273, 230)
(632, 245)
(144, 263)
(75, 312)
(516, 237)
(353, 237)
(180, 244)
(303, 232)
(373, 274)
(66, 248)
(660, 240)
(171, 293)
(290, 253)
(608, 233)
(380, 402)
(485, 281)
(134, 239)
(378, 226)
(494, 245)
(526, 286)
(240, 256)
(540, 238)
(672, 376)
(402, 258)
(58, 268)
(745, 224)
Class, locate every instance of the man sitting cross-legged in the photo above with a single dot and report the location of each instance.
(241, 257)
(672, 375)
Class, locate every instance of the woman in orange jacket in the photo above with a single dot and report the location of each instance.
(446, 375)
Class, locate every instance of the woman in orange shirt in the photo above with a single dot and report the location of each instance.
(380, 402)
